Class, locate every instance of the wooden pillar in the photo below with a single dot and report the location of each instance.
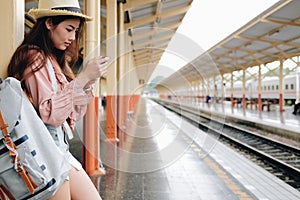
(244, 90)
(297, 83)
(259, 101)
(231, 90)
(222, 89)
(12, 33)
(203, 91)
(91, 138)
(208, 88)
(122, 81)
(281, 98)
(111, 51)
(215, 89)
(198, 91)
(297, 100)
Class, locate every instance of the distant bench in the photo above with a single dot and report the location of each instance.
(253, 103)
(266, 104)
(236, 102)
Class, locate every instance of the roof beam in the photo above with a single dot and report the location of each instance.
(272, 42)
(136, 3)
(150, 57)
(147, 51)
(150, 42)
(251, 52)
(146, 61)
(281, 22)
(152, 18)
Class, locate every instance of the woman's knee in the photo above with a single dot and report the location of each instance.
(81, 186)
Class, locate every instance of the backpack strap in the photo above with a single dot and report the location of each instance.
(2, 194)
(52, 75)
(31, 185)
(55, 88)
(5, 193)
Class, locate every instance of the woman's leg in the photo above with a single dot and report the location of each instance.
(63, 193)
(81, 186)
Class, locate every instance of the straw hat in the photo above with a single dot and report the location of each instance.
(48, 8)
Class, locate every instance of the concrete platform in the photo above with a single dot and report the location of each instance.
(161, 156)
(285, 120)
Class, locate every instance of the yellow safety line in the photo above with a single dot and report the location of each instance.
(220, 172)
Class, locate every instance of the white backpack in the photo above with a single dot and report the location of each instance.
(43, 166)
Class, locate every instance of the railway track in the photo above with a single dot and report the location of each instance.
(282, 160)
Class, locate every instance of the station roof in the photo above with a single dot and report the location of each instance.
(271, 36)
(151, 25)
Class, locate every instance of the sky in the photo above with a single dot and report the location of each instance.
(205, 24)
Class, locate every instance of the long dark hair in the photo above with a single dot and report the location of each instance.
(38, 42)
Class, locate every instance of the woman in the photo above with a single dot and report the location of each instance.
(41, 63)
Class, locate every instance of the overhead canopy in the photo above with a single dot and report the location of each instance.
(151, 25)
(271, 36)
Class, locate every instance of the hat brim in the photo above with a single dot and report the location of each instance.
(39, 13)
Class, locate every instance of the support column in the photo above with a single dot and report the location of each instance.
(231, 90)
(259, 101)
(222, 89)
(91, 154)
(111, 51)
(203, 91)
(215, 89)
(297, 83)
(209, 89)
(12, 34)
(198, 91)
(122, 79)
(281, 99)
(244, 90)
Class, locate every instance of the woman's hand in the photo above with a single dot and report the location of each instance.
(93, 69)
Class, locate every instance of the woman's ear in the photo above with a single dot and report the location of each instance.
(49, 23)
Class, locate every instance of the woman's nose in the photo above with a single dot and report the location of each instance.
(72, 36)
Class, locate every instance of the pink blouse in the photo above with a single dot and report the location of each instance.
(69, 102)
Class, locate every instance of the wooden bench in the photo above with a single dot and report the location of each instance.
(237, 103)
(266, 104)
(251, 104)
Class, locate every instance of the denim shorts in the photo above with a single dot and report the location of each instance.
(60, 139)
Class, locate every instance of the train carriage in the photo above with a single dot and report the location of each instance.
(269, 89)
